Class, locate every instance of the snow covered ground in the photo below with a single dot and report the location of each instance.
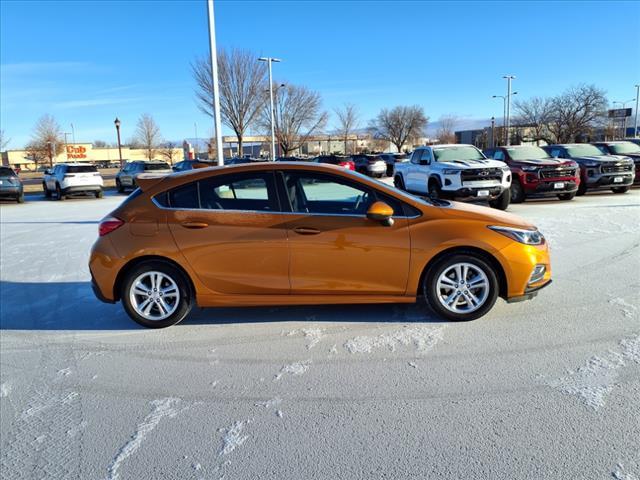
(545, 389)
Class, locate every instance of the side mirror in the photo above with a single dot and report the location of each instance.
(381, 212)
(48, 171)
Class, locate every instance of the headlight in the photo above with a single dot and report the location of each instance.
(528, 237)
(591, 164)
(451, 171)
(505, 169)
(530, 168)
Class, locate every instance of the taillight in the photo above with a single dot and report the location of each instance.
(347, 165)
(108, 225)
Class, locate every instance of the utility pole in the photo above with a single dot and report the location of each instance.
(214, 80)
(269, 61)
(508, 122)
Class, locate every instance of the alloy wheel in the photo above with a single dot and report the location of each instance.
(462, 288)
(154, 295)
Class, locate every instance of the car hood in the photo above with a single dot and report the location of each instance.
(543, 162)
(488, 163)
(469, 211)
(602, 158)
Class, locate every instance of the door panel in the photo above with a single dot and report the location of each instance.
(334, 248)
(237, 243)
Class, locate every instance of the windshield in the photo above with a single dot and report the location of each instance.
(527, 153)
(584, 150)
(624, 148)
(457, 153)
(7, 172)
(81, 169)
(156, 166)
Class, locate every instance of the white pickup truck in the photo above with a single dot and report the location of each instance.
(456, 172)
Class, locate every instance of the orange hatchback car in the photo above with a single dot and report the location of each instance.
(306, 234)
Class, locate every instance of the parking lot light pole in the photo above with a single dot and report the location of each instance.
(493, 129)
(116, 122)
(624, 120)
(214, 80)
(635, 126)
(269, 61)
(509, 78)
(504, 111)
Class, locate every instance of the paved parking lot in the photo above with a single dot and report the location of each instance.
(544, 389)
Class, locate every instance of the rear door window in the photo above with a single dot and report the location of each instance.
(248, 191)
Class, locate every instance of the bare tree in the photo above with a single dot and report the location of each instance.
(47, 140)
(242, 80)
(536, 113)
(100, 144)
(348, 118)
(4, 141)
(147, 135)
(446, 130)
(168, 152)
(576, 112)
(399, 124)
(298, 115)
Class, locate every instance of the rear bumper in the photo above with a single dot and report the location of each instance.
(82, 188)
(11, 191)
(96, 291)
(529, 293)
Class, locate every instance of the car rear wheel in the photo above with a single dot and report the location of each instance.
(156, 294)
(461, 287)
(59, 194)
(567, 196)
(47, 192)
(503, 201)
(398, 182)
(517, 192)
(620, 189)
(20, 198)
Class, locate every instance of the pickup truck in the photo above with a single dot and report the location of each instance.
(455, 172)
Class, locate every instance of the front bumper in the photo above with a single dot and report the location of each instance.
(529, 293)
(548, 186)
(608, 180)
(467, 193)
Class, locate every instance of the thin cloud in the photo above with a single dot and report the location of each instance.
(94, 102)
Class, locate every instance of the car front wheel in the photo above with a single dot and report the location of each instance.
(461, 287)
(156, 294)
(620, 189)
(567, 196)
(503, 201)
(398, 182)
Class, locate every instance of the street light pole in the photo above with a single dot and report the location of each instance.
(504, 113)
(635, 127)
(66, 148)
(117, 124)
(214, 80)
(493, 126)
(624, 120)
(269, 61)
(73, 133)
(509, 79)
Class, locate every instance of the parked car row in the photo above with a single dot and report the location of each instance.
(508, 174)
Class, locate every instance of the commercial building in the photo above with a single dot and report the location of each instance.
(86, 152)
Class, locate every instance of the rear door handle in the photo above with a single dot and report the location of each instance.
(194, 225)
(306, 231)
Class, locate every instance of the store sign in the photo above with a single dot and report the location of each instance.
(620, 113)
(76, 152)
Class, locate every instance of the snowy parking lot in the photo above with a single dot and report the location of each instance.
(544, 389)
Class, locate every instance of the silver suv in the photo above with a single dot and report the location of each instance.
(126, 178)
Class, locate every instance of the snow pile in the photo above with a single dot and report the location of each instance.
(297, 368)
(269, 403)
(595, 380)
(621, 474)
(313, 335)
(5, 390)
(628, 309)
(164, 408)
(233, 437)
(423, 338)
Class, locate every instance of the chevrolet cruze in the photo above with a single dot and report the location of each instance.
(306, 234)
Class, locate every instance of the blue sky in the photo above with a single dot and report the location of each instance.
(88, 62)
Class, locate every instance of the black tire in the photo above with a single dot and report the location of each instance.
(434, 189)
(185, 302)
(582, 188)
(389, 170)
(99, 194)
(59, 194)
(503, 201)
(567, 196)
(398, 182)
(620, 189)
(517, 192)
(119, 186)
(429, 286)
(47, 192)
(20, 197)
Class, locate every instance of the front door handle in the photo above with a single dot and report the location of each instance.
(306, 231)
(194, 225)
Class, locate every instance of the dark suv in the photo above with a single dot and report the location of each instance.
(535, 172)
(391, 159)
(597, 170)
(10, 185)
(627, 148)
(126, 178)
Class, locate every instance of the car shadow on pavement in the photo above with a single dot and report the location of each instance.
(73, 306)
